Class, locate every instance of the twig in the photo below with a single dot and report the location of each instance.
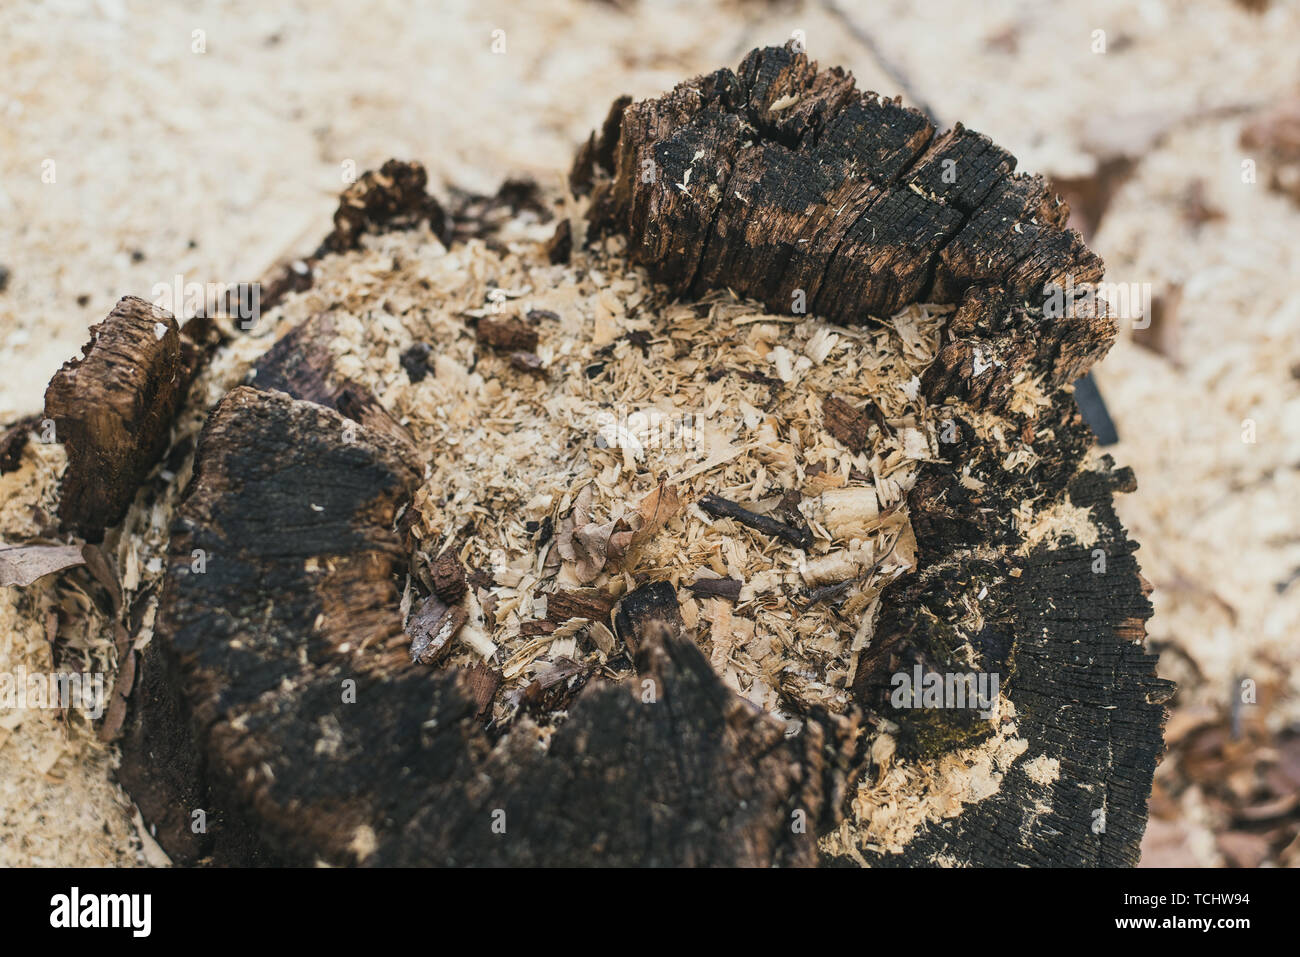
(827, 592)
(719, 507)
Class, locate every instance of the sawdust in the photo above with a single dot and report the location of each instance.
(890, 808)
(583, 472)
(29, 494)
(1061, 523)
(57, 801)
(1043, 770)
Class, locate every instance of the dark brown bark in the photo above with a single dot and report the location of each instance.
(598, 152)
(433, 629)
(799, 536)
(393, 197)
(448, 576)
(560, 246)
(851, 426)
(293, 526)
(301, 365)
(507, 334)
(113, 410)
(787, 185)
(728, 588)
(590, 603)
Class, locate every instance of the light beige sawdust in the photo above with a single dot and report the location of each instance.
(898, 798)
(1055, 525)
(1043, 769)
(643, 408)
(57, 802)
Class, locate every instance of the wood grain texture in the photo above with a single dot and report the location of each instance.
(113, 409)
(786, 184)
(301, 365)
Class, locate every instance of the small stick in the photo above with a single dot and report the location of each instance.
(827, 592)
(719, 507)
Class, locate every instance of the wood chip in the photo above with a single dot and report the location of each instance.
(509, 334)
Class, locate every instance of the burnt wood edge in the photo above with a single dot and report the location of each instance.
(720, 781)
(1084, 689)
(785, 184)
(113, 409)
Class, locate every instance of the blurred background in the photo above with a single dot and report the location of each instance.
(142, 140)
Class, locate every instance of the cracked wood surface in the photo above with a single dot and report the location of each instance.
(786, 184)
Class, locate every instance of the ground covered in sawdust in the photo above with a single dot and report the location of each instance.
(134, 149)
(581, 467)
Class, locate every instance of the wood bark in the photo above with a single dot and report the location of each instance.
(787, 185)
(113, 410)
(301, 365)
(392, 197)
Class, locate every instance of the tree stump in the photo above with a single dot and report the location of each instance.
(441, 590)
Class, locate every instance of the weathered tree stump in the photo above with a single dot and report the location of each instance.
(325, 680)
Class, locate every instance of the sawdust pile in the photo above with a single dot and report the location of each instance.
(573, 424)
(573, 458)
(56, 798)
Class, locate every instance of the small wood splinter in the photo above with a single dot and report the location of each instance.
(720, 507)
(828, 592)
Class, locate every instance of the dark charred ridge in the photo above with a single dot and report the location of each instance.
(738, 216)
